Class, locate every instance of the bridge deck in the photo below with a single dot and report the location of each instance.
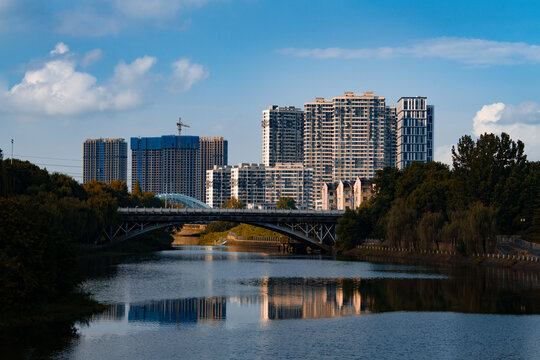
(315, 228)
(237, 215)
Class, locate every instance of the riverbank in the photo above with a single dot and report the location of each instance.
(378, 255)
(43, 328)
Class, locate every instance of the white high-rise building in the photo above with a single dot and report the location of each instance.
(289, 180)
(218, 185)
(348, 137)
(283, 140)
(414, 131)
(247, 184)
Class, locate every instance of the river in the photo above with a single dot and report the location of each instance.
(218, 303)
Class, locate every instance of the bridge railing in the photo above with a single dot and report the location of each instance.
(227, 211)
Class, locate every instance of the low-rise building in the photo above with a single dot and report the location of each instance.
(345, 195)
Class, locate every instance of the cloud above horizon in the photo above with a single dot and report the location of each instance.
(519, 121)
(100, 18)
(463, 50)
(56, 87)
(186, 74)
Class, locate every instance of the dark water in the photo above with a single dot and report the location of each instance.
(199, 303)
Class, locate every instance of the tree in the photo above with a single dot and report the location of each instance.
(347, 231)
(234, 203)
(483, 166)
(480, 231)
(286, 203)
(355, 227)
(137, 191)
(401, 225)
(429, 229)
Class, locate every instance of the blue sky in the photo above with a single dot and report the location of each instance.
(72, 70)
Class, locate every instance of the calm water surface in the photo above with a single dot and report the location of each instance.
(204, 302)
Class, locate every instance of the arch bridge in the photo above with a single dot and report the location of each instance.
(316, 229)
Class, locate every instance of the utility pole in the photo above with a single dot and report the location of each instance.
(180, 124)
(11, 151)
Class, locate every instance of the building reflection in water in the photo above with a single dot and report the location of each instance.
(310, 299)
(180, 310)
(488, 291)
(114, 312)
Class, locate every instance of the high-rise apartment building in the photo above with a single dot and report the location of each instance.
(218, 185)
(289, 180)
(414, 131)
(348, 137)
(247, 184)
(213, 151)
(154, 164)
(104, 160)
(282, 140)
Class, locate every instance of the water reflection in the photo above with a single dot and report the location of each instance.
(179, 310)
(313, 298)
(309, 299)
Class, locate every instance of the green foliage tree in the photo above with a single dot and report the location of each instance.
(481, 166)
(137, 191)
(429, 229)
(354, 227)
(44, 217)
(401, 226)
(234, 203)
(286, 203)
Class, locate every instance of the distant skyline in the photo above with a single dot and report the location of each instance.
(71, 71)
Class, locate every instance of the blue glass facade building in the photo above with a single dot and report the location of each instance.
(104, 160)
(156, 165)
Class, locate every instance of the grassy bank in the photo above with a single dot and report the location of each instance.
(240, 230)
(413, 258)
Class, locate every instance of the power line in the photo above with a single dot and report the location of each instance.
(73, 166)
(47, 158)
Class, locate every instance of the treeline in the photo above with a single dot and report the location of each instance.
(491, 189)
(44, 217)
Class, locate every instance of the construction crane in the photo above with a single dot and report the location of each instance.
(180, 124)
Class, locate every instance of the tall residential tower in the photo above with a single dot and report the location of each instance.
(213, 152)
(104, 160)
(414, 131)
(154, 164)
(348, 137)
(282, 140)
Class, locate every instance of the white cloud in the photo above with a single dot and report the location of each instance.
(185, 74)
(155, 9)
(101, 17)
(57, 88)
(463, 50)
(519, 121)
(60, 49)
(91, 57)
(443, 154)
